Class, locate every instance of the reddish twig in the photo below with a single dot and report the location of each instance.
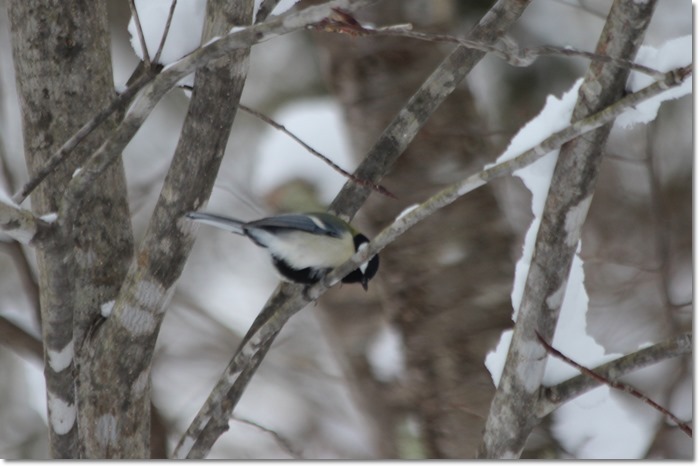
(342, 22)
(376, 187)
(615, 384)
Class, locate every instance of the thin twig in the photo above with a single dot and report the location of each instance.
(139, 32)
(374, 186)
(615, 384)
(281, 440)
(506, 50)
(171, 12)
(264, 10)
(209, 422)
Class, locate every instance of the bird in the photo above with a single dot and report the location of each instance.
(303, 247)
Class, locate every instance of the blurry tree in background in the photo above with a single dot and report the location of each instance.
(395, 373)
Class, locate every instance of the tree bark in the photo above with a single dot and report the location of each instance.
(512, 415)
(63, 71)
(117, 415)
(448, 278)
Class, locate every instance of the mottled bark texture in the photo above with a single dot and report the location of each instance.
(447, 280)
(64, 75)
(512, 415)
(116, 415)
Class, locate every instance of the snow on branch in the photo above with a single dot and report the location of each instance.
(678, 346)
(22, 225)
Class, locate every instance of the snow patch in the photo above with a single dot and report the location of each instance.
(59, 360)
(185, 31)
(106, 308)
(385, 354)
(61, 414)
(672, 54)
(137, 320)
(50, 217)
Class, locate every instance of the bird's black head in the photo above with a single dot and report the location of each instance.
(364, 273)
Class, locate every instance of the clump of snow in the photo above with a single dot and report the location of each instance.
(407, 210)
(106, 308)
(594, 425)
(675, 53)
(50, 217)
(385, 354)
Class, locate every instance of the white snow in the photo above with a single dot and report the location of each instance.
(61, 414)
(595, 425)
(317, 122)
(185, 29)
(60, 359)
(674, 53)
(407, 210)
(50, 217)
(106, 308)
(385, 354)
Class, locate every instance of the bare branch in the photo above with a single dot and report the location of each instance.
(453, 192)
(511, 416)
(287, 300)
(506, 50)
(26, 276)
(16, 338)
(22, 225)
(119, 103)
(375, 186)
(613, 383)
(281, 440)
(139, 32)
(264, 10)
(169, 77)
(171, 12)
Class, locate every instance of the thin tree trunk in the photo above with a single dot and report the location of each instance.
(64, 75)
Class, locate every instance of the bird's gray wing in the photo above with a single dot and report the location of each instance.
(306, 223)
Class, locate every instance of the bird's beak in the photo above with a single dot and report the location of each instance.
(364, 283)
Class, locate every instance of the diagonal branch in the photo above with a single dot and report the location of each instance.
(212, 419)
(169, 77)
(22, 225)
(376, 187)
(166, 30)
(118, 104)
(554, 396)
(512, 417)
(613, 383)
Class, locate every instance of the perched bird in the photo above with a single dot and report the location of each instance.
(304, 247)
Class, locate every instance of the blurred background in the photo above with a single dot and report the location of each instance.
(396, 372)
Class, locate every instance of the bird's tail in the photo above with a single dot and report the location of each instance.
(225, 223)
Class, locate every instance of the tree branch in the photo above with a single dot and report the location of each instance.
(374, 186)
(169, 77)
(613, 383)
(22, 225)
(288, 300)
(512, 416)
(505, 49)
(139, 309)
